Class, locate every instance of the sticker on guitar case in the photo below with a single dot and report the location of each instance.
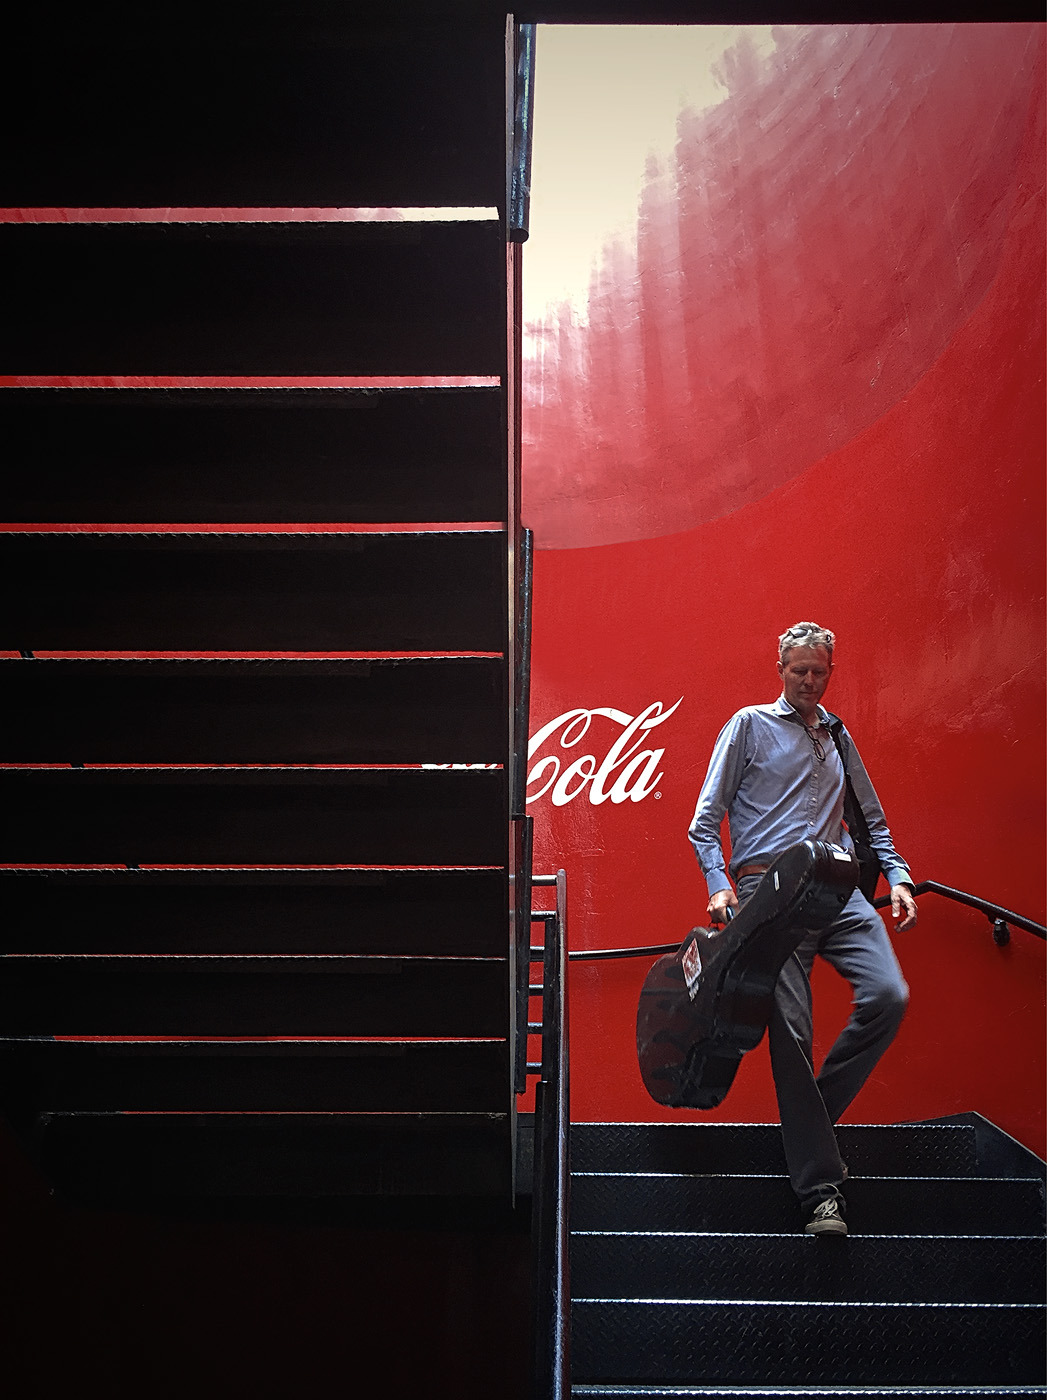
(692, 968)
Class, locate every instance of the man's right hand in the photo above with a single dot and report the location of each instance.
(721, 901)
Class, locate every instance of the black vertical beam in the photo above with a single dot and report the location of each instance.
(520, 173)
(518, 800)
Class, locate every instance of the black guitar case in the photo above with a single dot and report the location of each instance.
(704, 1006)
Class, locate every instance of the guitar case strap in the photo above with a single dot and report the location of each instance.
(857, 825)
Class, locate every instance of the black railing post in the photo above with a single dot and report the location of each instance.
(522, 677)
(524, 829)
(550, 1225)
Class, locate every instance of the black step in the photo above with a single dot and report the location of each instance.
(862, 1268)
(411, 710)
(230, 1156)
(262, 455)
(253, 299)
(290, 110)
(225, 995)
(253, 816)
(784, 1392)
(456, 912)
(295, 591)
(714, 1148)
(51, 1076)
(887, 1205)
(742, 1344)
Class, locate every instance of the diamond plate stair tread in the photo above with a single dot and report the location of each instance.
(252, 1076)
(869, 1268)
(255, 910)
(811, 1344)
(426, 298)
(176, 1157)
(338, 110)
(256, 454)
(927, 1150)
(253, 816)
(219, 710)
(875, 1205)
(908, 1392)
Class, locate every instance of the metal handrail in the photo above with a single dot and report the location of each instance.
(1000, 918)
(549, 1225)
(994, 912)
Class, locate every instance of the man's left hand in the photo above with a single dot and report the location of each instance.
(902, 902)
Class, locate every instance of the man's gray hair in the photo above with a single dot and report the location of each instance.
(805, 634)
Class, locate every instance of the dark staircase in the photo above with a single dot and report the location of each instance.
(257, 697)
(258, 670)
(691, 1276)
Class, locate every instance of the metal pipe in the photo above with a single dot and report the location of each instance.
(992, 911)
(523, 120)
(603, 954)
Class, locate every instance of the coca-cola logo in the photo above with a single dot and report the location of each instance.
(626, 772)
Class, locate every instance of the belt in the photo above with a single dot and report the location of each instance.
(750, 870)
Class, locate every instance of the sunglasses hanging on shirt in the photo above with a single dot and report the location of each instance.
(819, 752)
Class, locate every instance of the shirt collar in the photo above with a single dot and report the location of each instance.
(782, 707)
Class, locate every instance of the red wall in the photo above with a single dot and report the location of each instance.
(816, 391)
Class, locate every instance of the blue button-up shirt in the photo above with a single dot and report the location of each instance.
(766, 776)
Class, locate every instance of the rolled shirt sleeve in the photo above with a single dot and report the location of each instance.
(722, 781)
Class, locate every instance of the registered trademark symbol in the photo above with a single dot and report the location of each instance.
(657, 796)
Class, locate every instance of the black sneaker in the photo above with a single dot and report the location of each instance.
(826, 1219)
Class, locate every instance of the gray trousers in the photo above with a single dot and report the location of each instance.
(857, 945)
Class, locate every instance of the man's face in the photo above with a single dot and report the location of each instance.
(805, 673)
